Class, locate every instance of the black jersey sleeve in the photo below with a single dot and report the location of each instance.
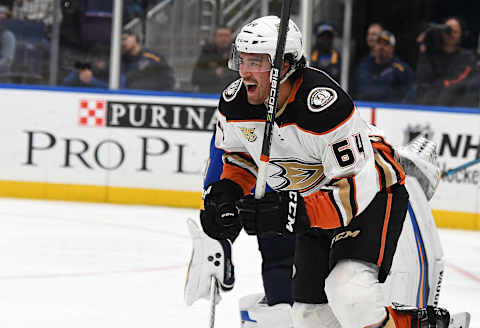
(320, 104)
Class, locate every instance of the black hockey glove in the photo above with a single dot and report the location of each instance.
(220, 217)
(277, 212)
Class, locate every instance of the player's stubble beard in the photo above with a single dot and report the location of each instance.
(259, 93)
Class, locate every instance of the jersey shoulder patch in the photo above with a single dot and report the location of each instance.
(321, 98)
(231, 91)
(320, 104)
(235, 107)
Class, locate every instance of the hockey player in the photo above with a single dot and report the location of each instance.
(326, 166)
(413, 280)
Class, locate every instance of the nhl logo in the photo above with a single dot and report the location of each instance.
(321, 98)
(231, 91)
(415, 130)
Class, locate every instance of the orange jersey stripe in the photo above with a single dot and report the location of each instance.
(240, 176)
(297, 85)
(385, 229)
(321, 211)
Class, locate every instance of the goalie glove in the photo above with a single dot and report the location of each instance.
(277, 212)
(419, 159)
(209, 258)
(220, 216)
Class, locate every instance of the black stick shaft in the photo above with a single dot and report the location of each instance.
(275, 77)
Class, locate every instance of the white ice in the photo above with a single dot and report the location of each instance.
(66, 264)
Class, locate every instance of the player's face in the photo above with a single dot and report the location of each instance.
(255, 71)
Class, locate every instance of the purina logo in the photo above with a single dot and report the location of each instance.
(92, 113)
(116, 114)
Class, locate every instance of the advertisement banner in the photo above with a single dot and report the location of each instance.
(150, 149)
(73, 140)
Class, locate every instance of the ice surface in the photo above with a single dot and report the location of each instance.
(66, 264)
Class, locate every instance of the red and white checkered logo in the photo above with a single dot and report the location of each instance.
(92, 113)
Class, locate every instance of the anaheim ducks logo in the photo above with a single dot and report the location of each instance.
(231, 91)
(249, 134)
(295, 175)
(321, 98)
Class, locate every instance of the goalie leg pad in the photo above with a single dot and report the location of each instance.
(314, 316)
(417, 269)
(256, 313)
(355, 295)
(209, 258)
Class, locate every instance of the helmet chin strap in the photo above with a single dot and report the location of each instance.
(291, 70)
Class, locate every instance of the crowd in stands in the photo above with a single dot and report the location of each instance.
(381, 76)
(444, 73)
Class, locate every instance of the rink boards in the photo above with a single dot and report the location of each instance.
(150, 148)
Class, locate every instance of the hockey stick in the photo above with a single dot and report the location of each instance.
(213, 301)
(275, 74)
(461, 167)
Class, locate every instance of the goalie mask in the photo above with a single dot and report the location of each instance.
(260, 37)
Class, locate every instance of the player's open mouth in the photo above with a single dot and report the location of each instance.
(251, 87)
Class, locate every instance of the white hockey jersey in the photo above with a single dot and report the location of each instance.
(320, 147)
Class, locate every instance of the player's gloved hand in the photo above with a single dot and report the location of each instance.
(220, 217)
(210, 258)
(277, 212)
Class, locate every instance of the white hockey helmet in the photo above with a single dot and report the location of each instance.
(260, 37)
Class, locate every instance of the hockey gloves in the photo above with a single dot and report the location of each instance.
(220, 217)
(277, 212)
(210, 258)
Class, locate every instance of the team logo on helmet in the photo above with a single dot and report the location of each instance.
(231, 91)
(321, 98)
(249, 134)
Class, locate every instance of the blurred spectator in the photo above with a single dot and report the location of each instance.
(94, 73)
(444, 69)
(7, 48)
(324, 56)
(373, 32)
(6, 7)
(211, 73)
(383, 77)
(144, 69)
(36, 10)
